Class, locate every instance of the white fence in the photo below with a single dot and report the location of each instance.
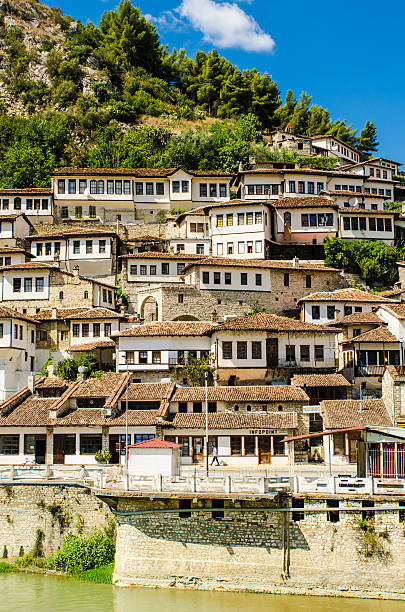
(115, 478)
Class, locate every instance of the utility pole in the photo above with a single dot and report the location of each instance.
(206, 424)
(126, 417)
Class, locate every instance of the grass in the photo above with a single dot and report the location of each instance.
(99, 575)
(6, 567)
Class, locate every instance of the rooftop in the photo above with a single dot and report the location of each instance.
(259, 393)
(306, 202)
(261, 263)
(338, 414)
(320, 380)
(136, 172)
(263, 321)
(231, 420)
(346, 295)
(154, 443)
(380, 334)
(167, 328)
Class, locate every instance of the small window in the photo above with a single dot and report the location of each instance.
(236, 445)
(304, 352)
(61, 186)
(139, 188)
(244, 278)
(39, 285)
(180, 298)
(241, 350)
(256, 350)
(316, 312)
(228, 278)
(308, 281)
(206, 278)
(217, 278)
(165, 269)
(286, 279)
(227, 350)
(319, 353)
(176, 186)
(330, 312)
(258, 279)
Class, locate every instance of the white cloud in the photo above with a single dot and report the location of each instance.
(225, 25)
(166, 20)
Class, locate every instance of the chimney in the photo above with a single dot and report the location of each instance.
(51, 370)
(54, 313)
(31, 383)
(296, 262)
(76, 271)
(82, 373)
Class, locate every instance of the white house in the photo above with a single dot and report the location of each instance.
(305, 220)
(17, 350)
(36, 203)
(14, 228)
(154, 457)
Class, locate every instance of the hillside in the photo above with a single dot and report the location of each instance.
(112, 95)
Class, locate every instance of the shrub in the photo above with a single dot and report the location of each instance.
(79, 554)
(103, 456)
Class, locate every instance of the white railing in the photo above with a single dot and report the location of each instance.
(116, 478)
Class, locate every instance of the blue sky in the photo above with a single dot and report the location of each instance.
(347, 55)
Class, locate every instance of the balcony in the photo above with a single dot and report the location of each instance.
(369, 370)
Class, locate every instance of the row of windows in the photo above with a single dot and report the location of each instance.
(64, 212)
(308, 280)
(85, 327)
(110, 187)
(143, 357)
(198, 227)
(345, 151)
(292, 187)
(368, 190)
(263, 189)
(249, 218)
(217, 276)
(305, 352)
(317, 220)
(164, 269)
(243, 247)
(199, 248)
(355, 223)
(46, 248)
(373, 358)
(377, 173)
(5, 261)
(330, 311)
(151, 188)
(242, 350)
(212, 190)
(19, 333)
(27, 284)
(30, 204)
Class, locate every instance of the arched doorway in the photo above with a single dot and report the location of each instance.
(149, 309)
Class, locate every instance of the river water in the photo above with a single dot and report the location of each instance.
(35, 593)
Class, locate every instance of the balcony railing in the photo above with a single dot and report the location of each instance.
(370, 370)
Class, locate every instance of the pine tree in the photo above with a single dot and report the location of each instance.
(344, 132)
(318, 121)
(299, 120)
(368, 142)
(284, 113)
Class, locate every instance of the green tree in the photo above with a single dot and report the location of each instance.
(194, 370)
(368, 142)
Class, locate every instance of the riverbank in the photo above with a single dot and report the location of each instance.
(97, 575)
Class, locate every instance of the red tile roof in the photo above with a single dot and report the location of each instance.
(154, 443)
(166, 328)
(161, 255)
(90, 346)
(230, 420)
(304, 202)
(96, 313)
(397, 309)
(69, 233)
(261, 263)
(320, 380)
(136, 172)
(257, 393)
(357, 317)
(346, 295)
(380, 334)
(263, 321)
(338, 414)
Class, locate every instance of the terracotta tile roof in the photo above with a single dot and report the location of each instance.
(263, 321)
(51, 382)
(136, 172)
(362, 211)
(320, 380)
(61, 313)
(95, 344)
(32, 412)
(135, 417)
(230, 420)
(148, 391)
(261, 263)
(166, 328)
(154, 443)
(397, 309)
(27, 191)
(352, 194)
(96, 313)
(6, 313)
(346, 295)
(305, 202)
(69, 233)
(380, 334)
(338, 414)
(34, 265)
(95, 387)
(13, 250)
(13, 217)
(257, 393)
(357, 317)
(161, 255)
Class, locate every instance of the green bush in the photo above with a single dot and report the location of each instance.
(103, 456)
(79, 554)
(98, 575)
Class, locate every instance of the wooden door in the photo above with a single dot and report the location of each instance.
(40, 449)
(59, 448)
(114, 447)
(264, 449)
(353, 450)
(198, 450)
(272, 352)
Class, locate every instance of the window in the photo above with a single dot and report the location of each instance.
(176, 186)
(101, 246)
(149, 188)
(298, 503)
(228, 278)
(92, 212)
(61, 186)
(127, 187)
(274, 189)
(93, 186)
(286, 279)
(71, 186)
(291, 186)
(372, 224)
(39, 284)
(107, 329)
(316, 312)
(330, 312)
(346, 223)
(200, 249)
(388, 192)
(9, 444)
(305, 220)
(217, 278)
(258, 280)
(311, 187)
(100, 187)
(258, 217)
(82, 185)
(7, 261)
(96, 330)
(152, 270)
(184, 186)
(319, 352)
(139, 188)
(287, 218)
(278, 446)
(197, 407)
(156, 357)
(388, 225)
(241, 247)
(75, 330)
(90, 443)
(243, 278)
(362, 223)
(64, 212)
(20, 335)
(43, 335)
(241, 350)
(304, 352)
(206, 278)
(110, 187)
(241, 218)
(223, 192)
(27, 285)
(89, 246)
(78, 212)
(130, 357)
(180, 298)
(319, 187)
(39, 249)
(290, 352)
(213, 190)
(2, 331)
(249, 247)
(165, 269)
(203, 190)
(249, 218)
(256, 350)
(76, 247)
(380, 224)
(308, 281)
(227, 350)
(236, 445)
(28, 204)
(355, 223)
(250, 445)
(16, 285)
(229, 219)
(301, 187)
(17, 203)
(220, 220)
(133, 270)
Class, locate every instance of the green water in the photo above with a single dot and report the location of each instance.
(33, 593)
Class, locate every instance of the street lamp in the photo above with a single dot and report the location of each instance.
(206, 424)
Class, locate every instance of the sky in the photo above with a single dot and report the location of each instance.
(347, 55)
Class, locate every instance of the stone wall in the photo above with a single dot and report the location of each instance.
(56, 510)
(268, 551)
